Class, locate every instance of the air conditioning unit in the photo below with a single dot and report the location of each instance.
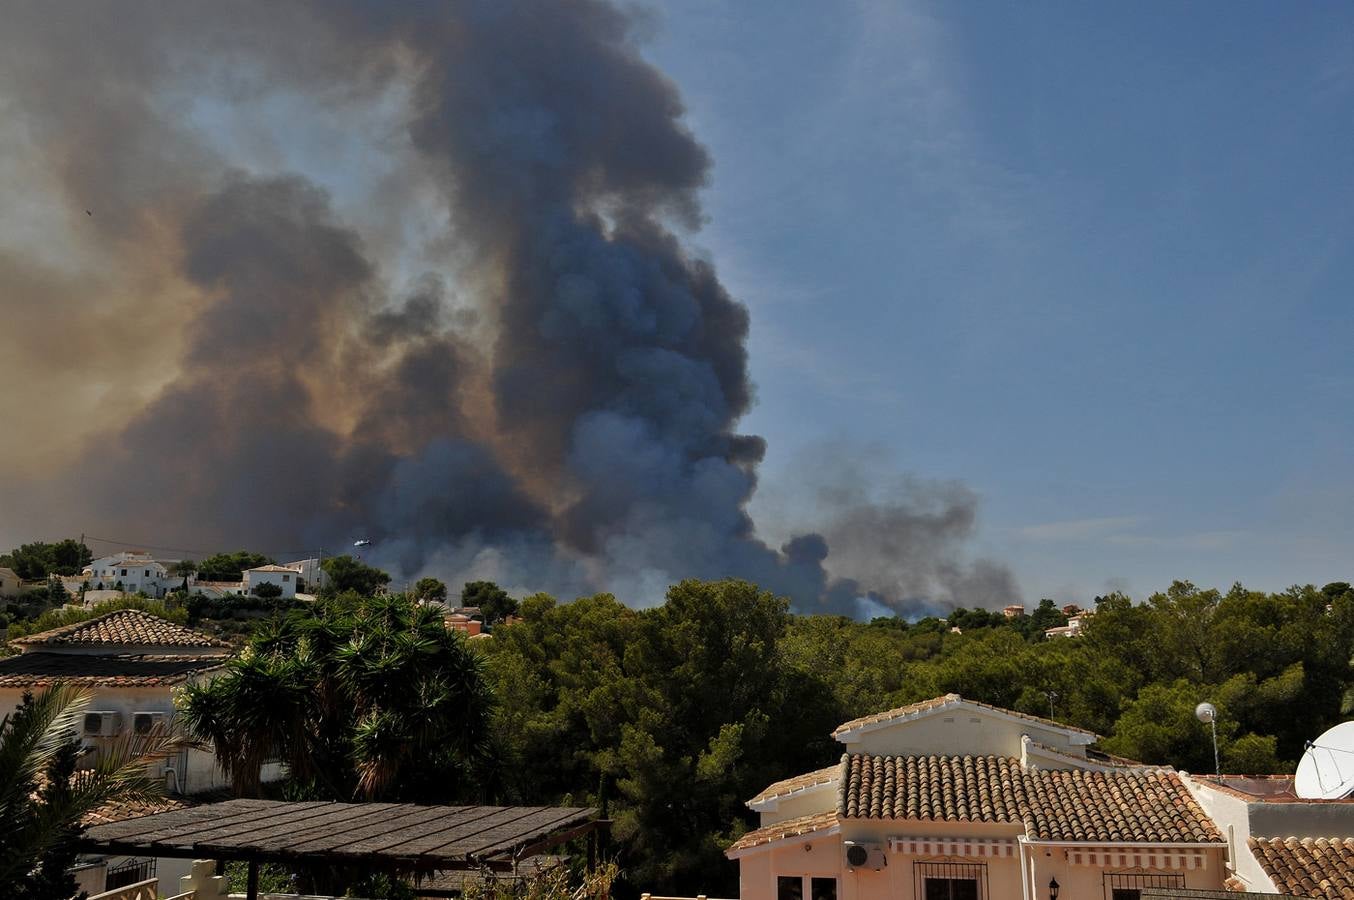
(102, 723)
(865, 856)
(146, 722)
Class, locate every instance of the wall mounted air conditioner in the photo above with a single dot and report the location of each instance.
(145, 722)
(865, 856)
(102, 723)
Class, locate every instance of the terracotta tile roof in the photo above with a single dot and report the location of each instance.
(1308, 867)
(954, 788)
(1132, 806)
(9, 574)
(948, 700)
(121, 627)
(798, 783)
(1074, 805)
(38, 669)
(787, 829)
(272, 568)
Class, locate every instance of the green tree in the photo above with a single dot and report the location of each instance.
(491, 599)
(230, 566)
(363, 697)
(267, 590)
(430, 590)
(345, 573)
(670, 718)
(43, 797)
(39, 559)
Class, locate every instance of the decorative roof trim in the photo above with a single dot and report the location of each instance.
(850, 732)
(799, 785)
(802, 828)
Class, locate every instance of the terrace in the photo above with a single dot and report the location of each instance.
(404, 839)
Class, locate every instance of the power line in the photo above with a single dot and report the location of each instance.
(141, 546)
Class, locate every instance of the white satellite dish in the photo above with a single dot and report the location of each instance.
(1326, 770)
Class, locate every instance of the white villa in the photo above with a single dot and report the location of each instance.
(283, 577)
(134, 570)
(950, 799)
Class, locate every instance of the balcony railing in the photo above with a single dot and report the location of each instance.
(142, 890)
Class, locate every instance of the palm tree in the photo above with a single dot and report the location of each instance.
(363, 698)
(44, 796)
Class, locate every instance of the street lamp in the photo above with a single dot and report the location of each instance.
(1053, 889)
(1208, 714)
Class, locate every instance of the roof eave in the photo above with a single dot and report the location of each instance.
(787, 840)
(1076, 736)
(769, 804)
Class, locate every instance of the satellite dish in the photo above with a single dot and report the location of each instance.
(1326, 770)
(1206, 712)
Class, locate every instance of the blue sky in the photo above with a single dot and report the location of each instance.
(1095, 263)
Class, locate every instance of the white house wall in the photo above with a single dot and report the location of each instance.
(819, 798)
(978, 732)
(197, 769)
(284, 580)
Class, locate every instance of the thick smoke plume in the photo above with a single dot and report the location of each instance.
(482, 343)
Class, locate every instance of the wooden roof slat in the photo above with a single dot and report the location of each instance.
(432, 843)
(335, 834)
(139, 828)
(375, 835)
(246, 823)
(387, 836)
(392, 842)
(292, 829)
(547, 823)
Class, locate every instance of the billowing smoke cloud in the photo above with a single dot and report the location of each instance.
(500, 360)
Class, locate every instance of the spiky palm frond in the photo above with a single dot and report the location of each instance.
(38, 813)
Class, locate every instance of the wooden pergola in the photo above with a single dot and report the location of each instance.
(393, 837)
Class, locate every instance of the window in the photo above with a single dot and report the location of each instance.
(789, 887)
(124, 573)
(951, 889)
(1129, 885)
(950, 881)
(286, 578)
(822, 889)
(148, 573)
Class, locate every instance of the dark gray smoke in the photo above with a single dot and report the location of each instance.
(565, 418)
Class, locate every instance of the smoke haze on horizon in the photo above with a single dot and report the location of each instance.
(412, 273)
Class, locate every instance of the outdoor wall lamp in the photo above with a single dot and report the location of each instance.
(1053, 889)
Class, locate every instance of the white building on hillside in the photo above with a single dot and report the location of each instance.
(11, 585)
(282, 577)
(134, 570)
